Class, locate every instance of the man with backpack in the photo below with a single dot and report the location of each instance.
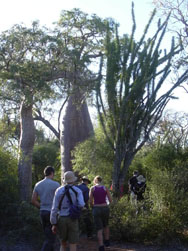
(68, 200)
(137, 185)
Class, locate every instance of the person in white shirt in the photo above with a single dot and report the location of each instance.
(66, 227)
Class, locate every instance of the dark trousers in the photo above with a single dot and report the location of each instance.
(47, 227)
(86, 216)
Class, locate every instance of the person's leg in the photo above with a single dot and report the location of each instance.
(97, 216)
(62, 231)
(73, 234)
(106, 233)
(47, 227)
(106, 236)
(72, 247)
(133, 199)
(100, 237)
(106, 215)
(88, 223)
(63, 246)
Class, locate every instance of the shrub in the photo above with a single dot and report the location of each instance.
(8, 184)
(161, 218)
(18, 219)
(44, 155)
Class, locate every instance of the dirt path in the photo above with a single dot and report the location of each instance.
(91, 245)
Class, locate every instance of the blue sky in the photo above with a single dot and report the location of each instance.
(47, 11)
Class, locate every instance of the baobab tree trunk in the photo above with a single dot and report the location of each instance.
(27, 139)
(77, 127)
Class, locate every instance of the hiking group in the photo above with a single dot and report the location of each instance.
(61, 208)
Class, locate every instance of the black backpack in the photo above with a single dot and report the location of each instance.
(74, 210)
(139, 188)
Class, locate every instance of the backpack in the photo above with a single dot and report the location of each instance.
(139, 188)
(74, 210)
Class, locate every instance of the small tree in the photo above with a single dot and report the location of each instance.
(132, 104)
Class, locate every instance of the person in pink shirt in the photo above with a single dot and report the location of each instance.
(99, 197)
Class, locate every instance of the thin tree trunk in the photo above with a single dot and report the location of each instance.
(77, 127)
(120, 169)
(27, 139)
(116, 173)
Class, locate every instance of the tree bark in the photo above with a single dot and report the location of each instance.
(120, 169)
(77, 127)
(27, 140)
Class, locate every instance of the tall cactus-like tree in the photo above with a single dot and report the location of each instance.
(132, 102)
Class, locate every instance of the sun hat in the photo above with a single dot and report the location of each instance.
(86, 178)
(141, 178)
(69, 177)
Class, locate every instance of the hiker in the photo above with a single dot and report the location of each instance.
(62, 223)
(100, 197)
(45, 190)
(86, 212)
(132, 184)
(137, 185)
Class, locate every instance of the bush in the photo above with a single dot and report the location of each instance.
(94, 157)
(18, 219)
(8, 184)
(161, 218)
(44, 155)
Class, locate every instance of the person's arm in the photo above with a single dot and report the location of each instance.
(109, 195)
(54, 212)
(91, 197)
(86, 195)
(80, 199)
(55, 207)
(34, 200)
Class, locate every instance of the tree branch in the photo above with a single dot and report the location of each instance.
(38, 116)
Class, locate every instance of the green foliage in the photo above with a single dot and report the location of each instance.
(81, 37)
(28, 72)
(162, 157)
(18, 219)
(8, 179)
(45, 154)
(94, 157)
(9, 131)
(24, 225)
(163, 216)
(157, 222)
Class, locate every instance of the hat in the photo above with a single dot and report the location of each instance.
(69, 177)
(86, 178)
(141, 178)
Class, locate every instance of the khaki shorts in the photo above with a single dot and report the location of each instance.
(67, 229)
